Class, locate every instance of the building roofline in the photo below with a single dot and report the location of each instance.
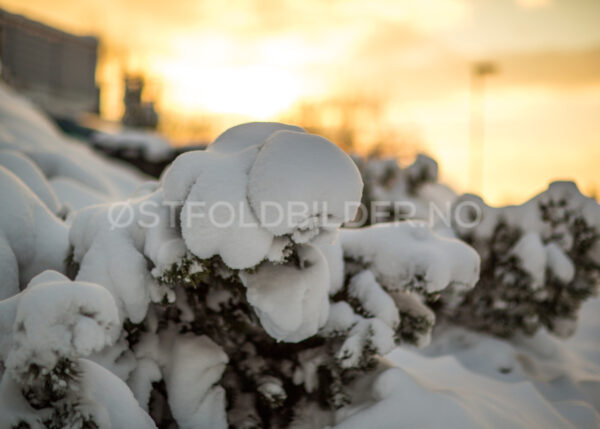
(45, 30)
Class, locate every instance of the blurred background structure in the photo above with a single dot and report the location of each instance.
(55, 69)
(138, 113)
(477, 123)
(393, 77)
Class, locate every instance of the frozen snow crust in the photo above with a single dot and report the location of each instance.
(123, 307)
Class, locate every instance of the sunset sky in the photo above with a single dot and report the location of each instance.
(396, 70)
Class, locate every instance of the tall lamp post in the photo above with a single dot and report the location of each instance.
(479, 71)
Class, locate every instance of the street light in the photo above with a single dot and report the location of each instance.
(479, 71)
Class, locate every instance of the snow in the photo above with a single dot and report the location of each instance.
(14, 408)
(373, 298)
(409, 304)
(114, 397)
(408, 254)
(535, 258)
(53, 320)
(163, 245)
(146, 372)
(152, 145)
(559, 263)
(8, 313)
(196, 364)
(335, 261)
(114, 257)
(26, 130)
(216, 217)
(271, 388)
(360, 333)
(309, 179)
(562, 197)
(9, 268)
(280, 249)
(466, 379)
(476, 380)
(231, 191)
(191, 367)
(33, 238)
(114, 262)
(151, 355)
(396, 193)
(291, 302)
(32, 176)
(243, 136)
(551, 239)
(112, 254)
(306, 373)
(55, 164)
(117, 358)
(76, 195)
(371, 332)
(59, 318)
(440, 393)
(531, 254)
(292, 275)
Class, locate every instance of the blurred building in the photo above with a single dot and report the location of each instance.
(138, 113)
(57, 70)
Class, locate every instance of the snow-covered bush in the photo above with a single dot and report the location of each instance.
(64, 174)
(45, 332)
(237, 314)
(395, 193)
(229, 293)
(32, 238)
(539, 261)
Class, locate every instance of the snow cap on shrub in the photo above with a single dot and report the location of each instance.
(32, 238)
(290, 301)
(243, 136)
(410, 255)
(392, 269)
(242, 191)
(26, 170)
(195, 367)
(216, 218)
(303, 171)
(57, 319)
(100, 248)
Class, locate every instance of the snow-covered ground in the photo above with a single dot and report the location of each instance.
(51, 189)
(151, 145)
(466, 379)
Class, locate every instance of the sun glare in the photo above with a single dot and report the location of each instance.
(365, 74)
(255, 91)
(219, 75)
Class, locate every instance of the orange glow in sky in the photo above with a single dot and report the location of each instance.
(392, 74)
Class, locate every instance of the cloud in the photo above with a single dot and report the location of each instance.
(553, 68)
(532, 4)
